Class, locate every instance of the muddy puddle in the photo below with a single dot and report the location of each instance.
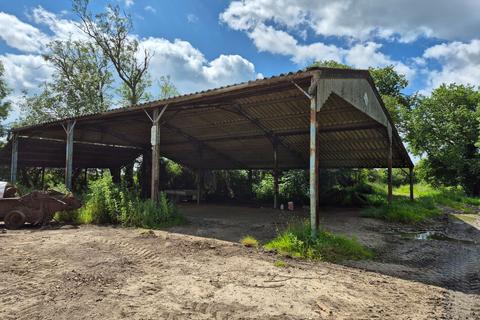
(431, 235)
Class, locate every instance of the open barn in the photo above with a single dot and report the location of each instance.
(311, 119)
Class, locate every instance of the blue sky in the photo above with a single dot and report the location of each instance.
(205, 44)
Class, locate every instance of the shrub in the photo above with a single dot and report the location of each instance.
(249, 241)
(297, 241)
(109, 203)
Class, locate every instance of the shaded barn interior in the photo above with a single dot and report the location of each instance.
(262, 124)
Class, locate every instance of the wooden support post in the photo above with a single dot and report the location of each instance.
(389, 167)
(275, 174)
(410, 173)
(314, 219)
(14, 159)
(69, 154)
(155, 141)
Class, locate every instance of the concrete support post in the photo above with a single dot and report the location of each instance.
(410, 174)
(389, 168)
(314, 219)
(14, 159)
(69, 154)
(275, 175)
(155, 141)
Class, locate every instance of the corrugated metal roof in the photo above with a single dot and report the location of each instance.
(232, 126)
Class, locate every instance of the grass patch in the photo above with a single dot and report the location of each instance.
(280, 264)
(249, 241)
(404, 211)
(425, 206)
(296, 241)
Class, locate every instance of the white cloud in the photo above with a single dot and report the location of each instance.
(129, 3)
(460, 63)
(151, 9)
(404, 20)
(191, 18)
(368, 55)
(21, 35)
(62, 29)
(190, 70)
(25, 72)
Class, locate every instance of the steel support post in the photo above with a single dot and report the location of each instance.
(69, 130)
(410, 175)
(14, 159)
(314, 219)
(275, 175)
(155, 141)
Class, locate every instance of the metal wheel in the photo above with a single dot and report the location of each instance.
(14, 219)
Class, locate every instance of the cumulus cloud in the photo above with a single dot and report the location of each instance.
(459, 63)
(62, 29)
(187, 66)
(190, 70)
(25, 71)
(21, 35)
(405, 20)
(129, 3)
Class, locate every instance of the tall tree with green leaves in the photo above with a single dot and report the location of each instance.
(79, 85)
(111, 30)
(445, 128)
(5, 106)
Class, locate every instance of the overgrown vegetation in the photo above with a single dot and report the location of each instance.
(297, 241)
(109, 203)
(426, 203)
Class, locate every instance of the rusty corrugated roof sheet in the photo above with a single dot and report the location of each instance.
(231, 127)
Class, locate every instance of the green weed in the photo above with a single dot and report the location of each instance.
(296, 241)
(249, 241)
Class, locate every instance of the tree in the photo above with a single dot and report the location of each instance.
(4, 105)
(445, 128)
(390, 85)
(111, 31)
(167, 88)
(79, 86)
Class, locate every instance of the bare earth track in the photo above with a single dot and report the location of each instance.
(94, 272)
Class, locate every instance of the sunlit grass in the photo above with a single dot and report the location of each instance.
(297, 241)
(426, 203)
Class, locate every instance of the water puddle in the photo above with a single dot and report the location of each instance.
(431, 235)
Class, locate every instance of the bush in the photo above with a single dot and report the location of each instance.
(296, 241)
(109, 203)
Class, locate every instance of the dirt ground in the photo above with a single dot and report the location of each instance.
(94, 272)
